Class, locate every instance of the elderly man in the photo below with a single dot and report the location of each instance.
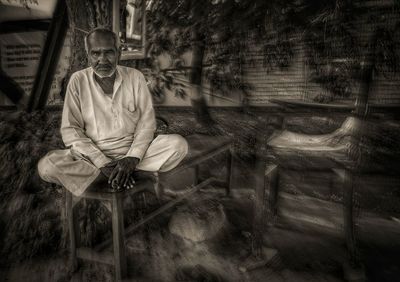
(108, 123)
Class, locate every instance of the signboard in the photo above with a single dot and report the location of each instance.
(20, 54)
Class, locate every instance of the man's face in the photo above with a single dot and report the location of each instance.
(102, 54)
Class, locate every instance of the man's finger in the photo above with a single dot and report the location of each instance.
(118, 177)
(113, 175)
(130, 184)
(123, 179)
(127, 180)
(114, 185)
(132, 181)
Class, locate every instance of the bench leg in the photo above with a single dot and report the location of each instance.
(348, 198)
(258, 220)
(229, 170)
(196, 174)
(118, 238)
(354, 269)
(271, 180)
(74, 230)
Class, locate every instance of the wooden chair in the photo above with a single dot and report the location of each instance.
(201, 149)
(117, 257)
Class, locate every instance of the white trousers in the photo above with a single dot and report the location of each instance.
(75, 173)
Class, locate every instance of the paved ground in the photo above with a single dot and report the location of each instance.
(157, 255)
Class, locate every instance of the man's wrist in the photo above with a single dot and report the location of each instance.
(136, 152)
(136, 159)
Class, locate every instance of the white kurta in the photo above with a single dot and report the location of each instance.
(103, 128)
(100, 128)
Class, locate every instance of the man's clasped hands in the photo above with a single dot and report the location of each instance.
(120, 173)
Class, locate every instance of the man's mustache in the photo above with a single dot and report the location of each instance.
(103, 66)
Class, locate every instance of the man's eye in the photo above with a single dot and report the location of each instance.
(95, 53)
(110, 53)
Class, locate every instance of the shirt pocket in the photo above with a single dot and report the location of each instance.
(130, 117)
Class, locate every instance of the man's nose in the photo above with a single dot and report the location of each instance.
(102, 57)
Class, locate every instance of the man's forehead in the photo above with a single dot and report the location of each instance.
(100, 39)
(101, 47)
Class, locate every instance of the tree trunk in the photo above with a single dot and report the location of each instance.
(197, 98)
(198, 49)
(361, 106)
(84, 16)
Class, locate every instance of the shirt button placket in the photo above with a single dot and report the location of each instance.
(115, 115)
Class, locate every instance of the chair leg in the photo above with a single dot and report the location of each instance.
(353, 269)
(118, 238)
(348, 198)
(74, 230)
(258, 221)
(229, 171)
(196, 174)
(272, 185)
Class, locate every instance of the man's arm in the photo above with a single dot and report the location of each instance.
(146, 126)
(72, 128)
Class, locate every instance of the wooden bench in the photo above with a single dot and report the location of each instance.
(201, 149)
(325, 153)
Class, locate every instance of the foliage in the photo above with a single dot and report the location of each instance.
(165, 79)
(228, 29)
(328, 28)
(338, 42)
(172, 27)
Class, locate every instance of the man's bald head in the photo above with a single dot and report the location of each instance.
(104, 33)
